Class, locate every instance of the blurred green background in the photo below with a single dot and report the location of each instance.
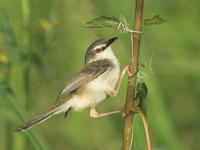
(42, 44)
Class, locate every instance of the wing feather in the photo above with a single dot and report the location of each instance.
(86, 75)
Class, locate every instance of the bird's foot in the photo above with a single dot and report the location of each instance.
(127, 70)
(95, 114)
(133, 109)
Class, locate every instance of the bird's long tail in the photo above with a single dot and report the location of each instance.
(37, 120)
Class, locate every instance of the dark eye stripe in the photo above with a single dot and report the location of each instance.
(103, 47)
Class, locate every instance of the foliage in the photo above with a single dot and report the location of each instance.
(10, 97)
(102, 22)
(154, 20)
(141, 94)
(173, 82)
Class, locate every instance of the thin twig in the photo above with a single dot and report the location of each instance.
(146, 129)
(150, 64)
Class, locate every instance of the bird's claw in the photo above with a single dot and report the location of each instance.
(132, 110)
(130, 74)
(123, 112)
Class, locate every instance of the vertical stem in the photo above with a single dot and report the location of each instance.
(27, 67)
(9, 135)
(26, 22)
(27, 85)
(129, 105)
(26, 44)
(137, 35)
(28, 95)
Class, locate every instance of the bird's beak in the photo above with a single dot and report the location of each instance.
(110, 41)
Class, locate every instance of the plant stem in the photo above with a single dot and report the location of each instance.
(9, 124)
(27, 86)
(9, 136)
(146, 129)
(27, 67)
(129, 105)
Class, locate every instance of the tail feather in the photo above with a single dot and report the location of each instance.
(59, 108)
(35, 121)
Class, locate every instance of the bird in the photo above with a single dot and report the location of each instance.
(98, 79)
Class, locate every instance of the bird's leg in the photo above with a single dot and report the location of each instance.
(66, 113)
(113, 92)
(95, 114)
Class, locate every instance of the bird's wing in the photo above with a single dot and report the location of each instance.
(86, 75)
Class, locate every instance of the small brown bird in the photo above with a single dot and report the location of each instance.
(99, 78)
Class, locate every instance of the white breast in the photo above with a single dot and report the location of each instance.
(95, 91)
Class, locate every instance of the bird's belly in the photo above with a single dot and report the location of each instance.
(89, 97)
(95, 92)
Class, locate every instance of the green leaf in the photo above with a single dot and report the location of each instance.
(102, 22)
(154, 20)
(141, 95)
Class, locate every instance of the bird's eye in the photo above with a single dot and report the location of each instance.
(98, 50)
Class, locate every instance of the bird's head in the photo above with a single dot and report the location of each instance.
(99, 49)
